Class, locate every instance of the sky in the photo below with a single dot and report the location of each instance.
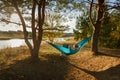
(14, 17)
(10, 26)
(14, 27)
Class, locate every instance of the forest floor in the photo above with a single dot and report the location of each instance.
(15, 64)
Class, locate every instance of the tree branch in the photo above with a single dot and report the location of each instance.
(114, 7)
(37, 2)
(89, 2)
(4, 20)
(23, 24)
(30, 26)
(41, 9)
(33, 23)
(90, 15)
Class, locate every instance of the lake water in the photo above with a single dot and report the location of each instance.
(11, 43)
(20, 42)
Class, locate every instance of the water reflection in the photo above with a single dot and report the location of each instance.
(12, 43)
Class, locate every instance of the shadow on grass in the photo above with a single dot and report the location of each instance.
(112, 73)
(111, 55)
(109, 52)
(48, 67)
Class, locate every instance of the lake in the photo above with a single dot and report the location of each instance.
(12, 43)
(20, 42)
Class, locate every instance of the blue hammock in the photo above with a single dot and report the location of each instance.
(68, 51)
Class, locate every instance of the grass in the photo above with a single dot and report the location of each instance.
(15, 64)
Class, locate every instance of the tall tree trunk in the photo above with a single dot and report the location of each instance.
(37, 30)
(97, 25)
(95, 37)
(35, 53)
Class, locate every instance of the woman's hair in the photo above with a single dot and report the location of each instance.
(75, 46)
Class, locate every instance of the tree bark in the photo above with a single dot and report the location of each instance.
(37, 36)
(36, 32)
(97, 25)
(95, 37)
(34, 53)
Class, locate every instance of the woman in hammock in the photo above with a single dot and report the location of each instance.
(75, 46)
(65, 49)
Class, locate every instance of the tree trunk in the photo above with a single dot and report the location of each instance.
(95, 38)
(97, 25)
(37, 30)
(37, 33)
(35, 53)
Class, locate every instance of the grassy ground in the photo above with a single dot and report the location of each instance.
(16, 65)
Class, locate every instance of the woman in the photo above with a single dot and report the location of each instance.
(75, 46)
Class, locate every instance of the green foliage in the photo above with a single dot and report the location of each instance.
(51, 35)
(83, 27)
(7, 6)
(110, 31)
(55, 20)
(77, 35)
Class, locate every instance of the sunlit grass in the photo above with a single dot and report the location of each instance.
(9, 54)
(15, 64)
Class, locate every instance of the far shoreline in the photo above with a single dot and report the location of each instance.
(8, 38)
